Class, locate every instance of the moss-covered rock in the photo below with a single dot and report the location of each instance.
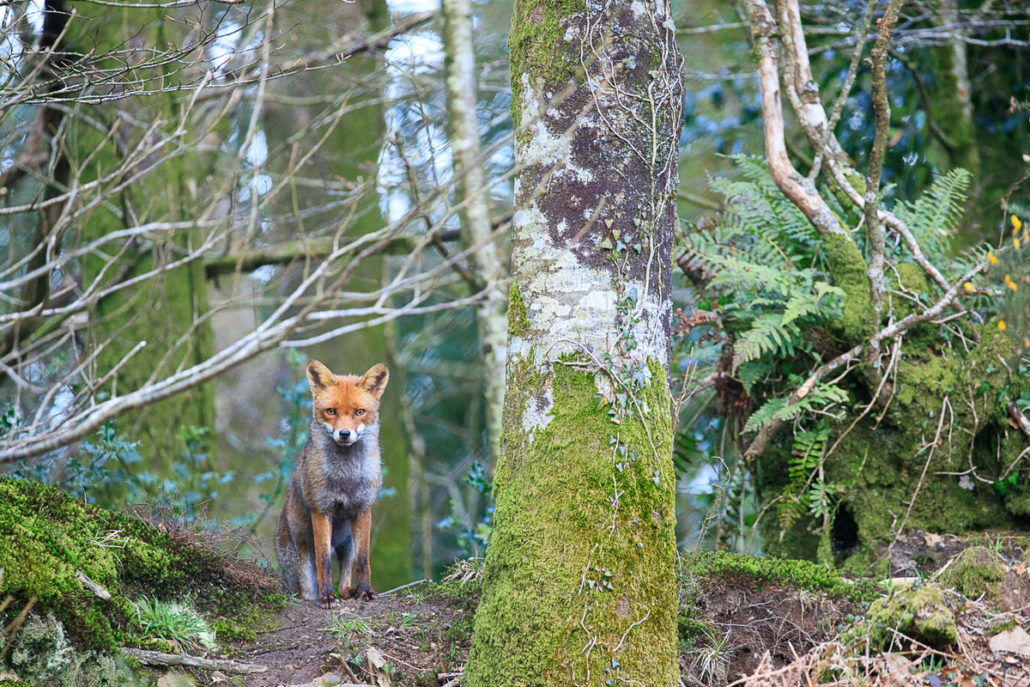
(917, 612)
(975, 572)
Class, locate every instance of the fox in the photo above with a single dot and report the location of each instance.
(335, 482)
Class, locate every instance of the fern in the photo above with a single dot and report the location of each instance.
(807, 451)
(768, 333)
(935, 216)
(765, 253)
(820, 398)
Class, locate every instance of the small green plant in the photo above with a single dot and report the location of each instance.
(347, 629)
(175, 622)
(473, 535)
(710, 657)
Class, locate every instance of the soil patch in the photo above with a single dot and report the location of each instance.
(752, 621)
(417, 634)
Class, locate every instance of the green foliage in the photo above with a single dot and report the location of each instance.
(176, 622)
(934, 217)
(109, 471)
(808, 491)
(766, 276)
(472, 537)
(782, 301)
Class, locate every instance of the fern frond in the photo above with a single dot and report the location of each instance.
(935, 215)
(768, 333)
(821, 398)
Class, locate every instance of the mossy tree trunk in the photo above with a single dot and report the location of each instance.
(159, 309)
(579, 586)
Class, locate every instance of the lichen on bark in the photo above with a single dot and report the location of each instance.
(579, 586)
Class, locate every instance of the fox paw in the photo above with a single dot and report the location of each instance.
(328, 601)
(363, 591)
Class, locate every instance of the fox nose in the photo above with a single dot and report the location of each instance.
(345, 434)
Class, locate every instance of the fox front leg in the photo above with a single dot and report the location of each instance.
(361, 527)
(322, 527)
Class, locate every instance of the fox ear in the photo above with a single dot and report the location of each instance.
(319, 376)
(374, 381)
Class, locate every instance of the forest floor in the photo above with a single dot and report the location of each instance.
(418, 637)
(743, 621)
(947, 611)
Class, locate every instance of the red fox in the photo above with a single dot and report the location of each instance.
(336, 480)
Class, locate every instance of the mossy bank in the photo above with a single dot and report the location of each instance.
(50, 543)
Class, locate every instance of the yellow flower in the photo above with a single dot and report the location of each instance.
(1017, 224)
(1001, 325)
(1009, 283)
(991, 258)
(969, 286)
(1015, 242)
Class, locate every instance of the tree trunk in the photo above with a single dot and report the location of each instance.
(579, 584)
(160, 309)
(490, 315)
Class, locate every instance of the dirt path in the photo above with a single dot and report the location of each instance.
(417, 636)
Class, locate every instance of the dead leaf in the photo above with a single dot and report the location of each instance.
(1014, 641)
(377, 667)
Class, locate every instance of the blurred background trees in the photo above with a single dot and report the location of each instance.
(242, 185)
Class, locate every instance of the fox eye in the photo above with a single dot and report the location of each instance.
(359, 411)
(331, 412)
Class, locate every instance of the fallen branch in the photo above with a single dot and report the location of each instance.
(156, 658)
(92, 586)
(322, 682)
(405, 586)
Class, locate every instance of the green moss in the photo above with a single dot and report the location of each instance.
(848, 268)
(518, 323)
(582, 548)
(913, 277)
(795, 573)
(1018, 503)
(916, 612)
(975, 572)
(895, 448)
(1000, 626)
(48, 536)
(538, 47)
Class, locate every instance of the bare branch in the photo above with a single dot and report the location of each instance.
(797, 188)
(882, 112)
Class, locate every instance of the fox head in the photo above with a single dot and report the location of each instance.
(346, 405)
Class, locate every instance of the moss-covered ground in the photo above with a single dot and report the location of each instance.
(50, 543)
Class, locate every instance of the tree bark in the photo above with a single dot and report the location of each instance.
(462, 100)
(579, 585)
